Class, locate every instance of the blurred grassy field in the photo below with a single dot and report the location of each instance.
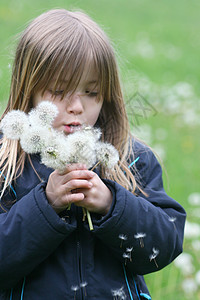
(158, 46)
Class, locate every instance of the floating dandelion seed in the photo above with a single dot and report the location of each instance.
(140, 236)
(154, 255)
(122, 237)
(83, 286)
(129, 251)
(44, 114)
(126, 256)
(172, 220)
(75, 288)
(14, 124)
(118, 294)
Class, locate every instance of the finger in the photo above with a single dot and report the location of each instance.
(75, 166)
(79, 174)
(67, 200)
(77, 184)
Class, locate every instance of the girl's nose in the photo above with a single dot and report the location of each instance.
(74, 104)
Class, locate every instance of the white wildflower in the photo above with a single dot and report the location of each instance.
(140, 236)
(196, 245)
(189, 286)
(197, 278)
(107, 154)
(44, 114)
(194, 199)
(14, 124)
(154, 255)
(192, 230)
(185, 263)
(33, 140)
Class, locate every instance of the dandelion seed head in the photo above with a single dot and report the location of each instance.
(56, 152)
(82, 147)
(44, 114)
(33, 140)
(107, 154)
(14, 124)
(93, 132)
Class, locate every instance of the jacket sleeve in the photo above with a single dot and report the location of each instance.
(144, 232)
(29, 232)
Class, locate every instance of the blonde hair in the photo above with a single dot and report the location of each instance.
(60, 42)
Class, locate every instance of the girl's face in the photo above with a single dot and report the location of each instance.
(80, 108)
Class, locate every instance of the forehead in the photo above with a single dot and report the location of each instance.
(89, 76)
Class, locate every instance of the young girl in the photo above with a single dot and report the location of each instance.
(47, 251)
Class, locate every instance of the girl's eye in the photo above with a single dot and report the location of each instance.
(91, 93)
(57, 92)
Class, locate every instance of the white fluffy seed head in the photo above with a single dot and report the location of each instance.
(93, 132)
(82, 144)
(107, 154)
(44, 114)
(56, 151)
(33, 140)
(14, 124)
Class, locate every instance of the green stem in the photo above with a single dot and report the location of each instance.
(89, 220)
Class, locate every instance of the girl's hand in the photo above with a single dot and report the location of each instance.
(97, 198)
(79, 186)
(59, 186)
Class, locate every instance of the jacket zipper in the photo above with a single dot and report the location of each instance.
(79, 259)
(79, 256)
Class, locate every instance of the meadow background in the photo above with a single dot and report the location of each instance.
(158, 50)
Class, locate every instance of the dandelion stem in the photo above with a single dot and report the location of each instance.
(84, 214)
(89, 220)
(155, 262)
(141, 243)
(98, 163)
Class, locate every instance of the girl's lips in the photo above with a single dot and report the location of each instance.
(70, 128)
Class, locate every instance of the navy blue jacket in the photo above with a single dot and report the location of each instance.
(48, 256)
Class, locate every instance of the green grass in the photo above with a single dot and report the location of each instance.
(158, 40)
